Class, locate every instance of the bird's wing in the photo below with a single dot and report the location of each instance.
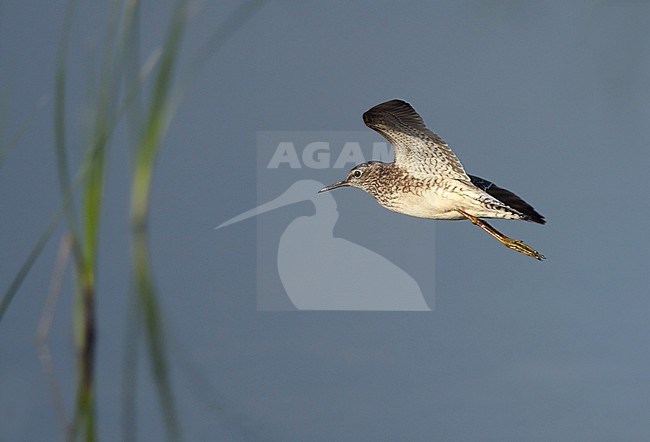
(417, 149)
(508, 198)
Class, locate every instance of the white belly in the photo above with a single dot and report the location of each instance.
(431, 206)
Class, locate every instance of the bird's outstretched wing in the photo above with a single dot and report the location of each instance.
(417, 149)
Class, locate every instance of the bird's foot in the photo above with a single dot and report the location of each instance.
(522, 247)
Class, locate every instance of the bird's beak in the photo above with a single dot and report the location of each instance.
(333, 186)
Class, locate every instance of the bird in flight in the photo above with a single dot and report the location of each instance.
(426, 179)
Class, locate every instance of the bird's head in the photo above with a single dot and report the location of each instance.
(364, 176)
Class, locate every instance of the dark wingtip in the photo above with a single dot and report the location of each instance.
(396, 108)
(534, 217)
(510, 199)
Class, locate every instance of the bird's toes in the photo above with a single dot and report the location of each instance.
(524, 248)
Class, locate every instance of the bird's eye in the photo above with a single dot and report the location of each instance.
(357, 173)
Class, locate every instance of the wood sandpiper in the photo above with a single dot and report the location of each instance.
(426, 179)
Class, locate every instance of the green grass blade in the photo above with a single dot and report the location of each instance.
(84, 318)
(59, 123)
(29, 262)
(155, 126)
(133, 329)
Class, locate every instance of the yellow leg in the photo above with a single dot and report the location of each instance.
(514, 244)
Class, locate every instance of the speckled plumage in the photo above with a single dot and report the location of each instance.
(427, 180)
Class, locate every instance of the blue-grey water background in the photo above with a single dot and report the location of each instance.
(549, 99)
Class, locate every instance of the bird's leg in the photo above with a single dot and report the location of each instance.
(514, 244)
